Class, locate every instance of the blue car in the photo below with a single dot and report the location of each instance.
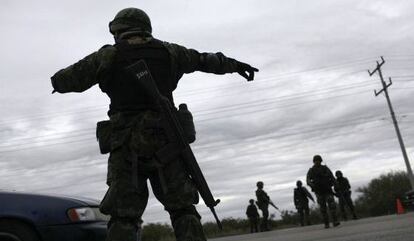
(35, 217)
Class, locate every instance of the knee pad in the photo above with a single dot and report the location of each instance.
(127, 223)
(122, 229)
(188, 227)
(187, 211)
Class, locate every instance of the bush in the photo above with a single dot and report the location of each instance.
(379, 196)
(157, 232)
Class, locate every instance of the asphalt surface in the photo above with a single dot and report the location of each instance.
(386, 228)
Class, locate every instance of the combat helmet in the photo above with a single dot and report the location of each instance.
(317, 158)
(130, 19)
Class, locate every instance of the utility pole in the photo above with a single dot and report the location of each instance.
(394, 120)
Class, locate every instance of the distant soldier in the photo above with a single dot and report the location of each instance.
(321, 180)
(301, 198)
(253, 216)
(263, 201)
(343, 192)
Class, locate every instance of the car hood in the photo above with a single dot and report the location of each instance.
(69, 198)
(42, 209)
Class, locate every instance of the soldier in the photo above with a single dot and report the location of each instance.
(300, 198)
(343, 192)
(321, 180)
(253, 216)
(263, 201)
(132, 141)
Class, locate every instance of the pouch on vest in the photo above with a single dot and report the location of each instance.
(187, 123)
(103, 134)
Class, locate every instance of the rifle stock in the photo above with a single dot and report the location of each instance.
(178, 146)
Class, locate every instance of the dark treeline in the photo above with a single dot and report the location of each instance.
(377, 198)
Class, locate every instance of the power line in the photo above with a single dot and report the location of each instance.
(313, 139)
(234, 108)
(276, 107)
(302, 130)
(322, 68)
(90, 138)
(231, 86)
(89, 109)
(89, 131)
(287, 98)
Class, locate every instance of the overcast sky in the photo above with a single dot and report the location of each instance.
(313, 94)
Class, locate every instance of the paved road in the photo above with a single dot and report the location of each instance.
(386, 228)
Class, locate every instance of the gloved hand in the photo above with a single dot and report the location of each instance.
(246, 70)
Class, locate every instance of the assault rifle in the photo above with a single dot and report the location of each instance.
(273, 205)
(178, 145)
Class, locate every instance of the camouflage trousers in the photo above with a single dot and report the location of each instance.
(346, 200)
(264, 225)
(127, 196)
(254, 221)
(303, 211)
(325, 201)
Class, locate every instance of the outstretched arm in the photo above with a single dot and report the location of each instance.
(190, 60)
(83, 74)
(218, 63)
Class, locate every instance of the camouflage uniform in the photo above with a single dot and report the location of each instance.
(132, 143)
(321, 180)
(263, 203)
(300, 198)
(253, 216)
(343, 192)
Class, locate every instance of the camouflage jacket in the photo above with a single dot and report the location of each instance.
(93, 68)
(262, 198)
(342, 186)
(320, 179)
(301, 196)
(251, 211)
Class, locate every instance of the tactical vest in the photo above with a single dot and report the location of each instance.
(322, 179)
(300, 195)
(342, 185)
(125, 93)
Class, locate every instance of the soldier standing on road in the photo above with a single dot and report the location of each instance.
(263, 203)
(301, 198)
(253, 216)
(133, 134)
(321, 180)
(343, 192)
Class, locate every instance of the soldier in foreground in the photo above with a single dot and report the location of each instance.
(343, 192)
(263, 202)
(301, 198)
(134, 135)
(253, 216)
(321, 180)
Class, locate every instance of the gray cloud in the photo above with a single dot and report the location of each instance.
(312, 94)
